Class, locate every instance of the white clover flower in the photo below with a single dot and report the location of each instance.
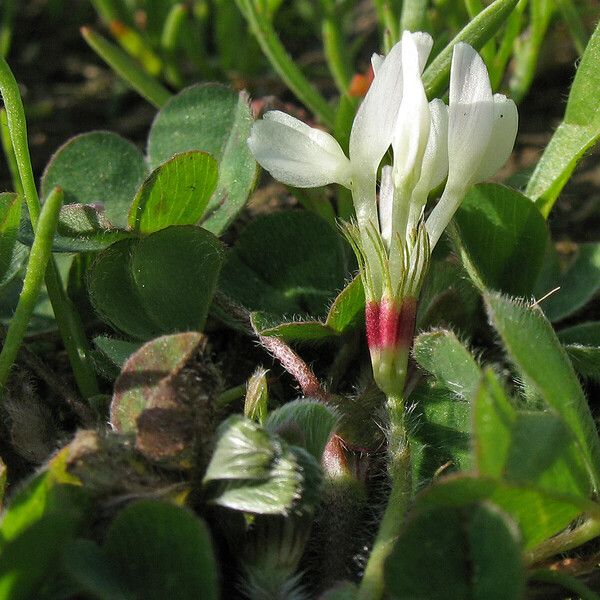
(464, 143)
(481, 134)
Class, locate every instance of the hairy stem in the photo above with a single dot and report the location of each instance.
(372, 584)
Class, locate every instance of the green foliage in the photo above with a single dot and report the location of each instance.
(286, 263)
(97, 168)
(472, 552)
(578, 283)
(12, 253)
(582, 343)
(441, 353)
(488, 454)
(81, 228)
(257, 396)
(176, 193)
(442, 419)
(253, 470)
(579, 131)
(345, 312)
(40, 519)
(539, 514)
(476, 33)
(307, 423)
(503, 238)
(547, 367)
(152, 550)
(214, 119)
(526, 447)
(157, 284)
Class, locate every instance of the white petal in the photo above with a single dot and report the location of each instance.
(322, 138)
(412, 127)
(371, 133)
(424, 43)
(435, 160)
(297, 154)
(386, 203)
(471, 114)
(502, 140)
(376, 62)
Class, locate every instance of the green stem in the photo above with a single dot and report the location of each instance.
(505, 50)
(336, 52)
(389, 22)
(527, 54)
(283, 64)
(567, 540)
(127, 68)
(412, 17)
(68, 321)
(572, 18)
(171, 33)
(40, 254)
(9, 153)
(7, 16)
(231, 395)
(373, 584)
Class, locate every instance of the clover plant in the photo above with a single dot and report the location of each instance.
(379, 386)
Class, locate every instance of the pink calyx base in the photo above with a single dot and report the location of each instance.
(389, 325)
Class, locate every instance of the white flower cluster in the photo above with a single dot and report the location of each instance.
(463, 143)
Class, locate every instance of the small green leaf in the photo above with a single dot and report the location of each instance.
(40, 497)
(115, 350)
(578, 132)
(175, 271)
(476, 33)
(584, 334)
(81, 228)
(309, 419)
(348, 307)
(253, 470)
(465, 553)
(442, 354)
(162, 551)
(97, 168)
(215, 119)
(256, 401)
(12, 254)
(585, 359)
(528, 447)
(286, 263)
(32, 557)
(345, 312)
(493, 421)
(114, 295)
(578, 284)
(440, 435)
(440, 432)
(540, 514)
(158, 284)
(503, 236)
(543, 451)
(448, 298)
(582, 343)
(546, 365)
(89, 566)
(175, 193)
